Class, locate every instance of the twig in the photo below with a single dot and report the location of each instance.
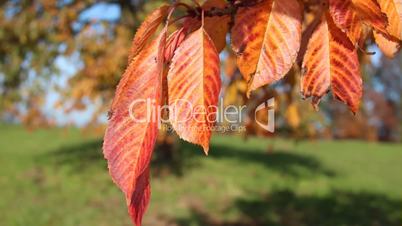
(231, 9)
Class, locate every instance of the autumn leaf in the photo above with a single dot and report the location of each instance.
(393, 10)
(346, 18)
(194, 86)
(348, 14)
(370, 11)
(355, 31)
(147, 30)
(387, 44)
(177, 37)
(267, 38)
(132, 130)
(331, 61)
(390, 43)
(173, 42)
(217, 27)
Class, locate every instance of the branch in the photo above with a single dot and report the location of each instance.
(231, 9)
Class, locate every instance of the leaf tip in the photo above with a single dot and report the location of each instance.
(315, 102)
(248, 92)
(354, 110)
(206, 149)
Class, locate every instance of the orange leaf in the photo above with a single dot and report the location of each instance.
(346, 18)
(388, 45)
(147, 30)
(173, 42)
(370, 11)
(331, 61)
(355, 32)
(194, 85)
(267, 38)
(176, 38)
(218, 26)
(348, 13)
(393, 10)
(398, 6)
(132, 130)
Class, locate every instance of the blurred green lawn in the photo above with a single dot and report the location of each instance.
(58, 177)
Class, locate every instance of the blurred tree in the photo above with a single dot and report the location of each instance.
(33, 34)
(384, 99)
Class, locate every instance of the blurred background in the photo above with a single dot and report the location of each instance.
(60, 61)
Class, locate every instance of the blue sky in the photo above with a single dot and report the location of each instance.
(69, 66)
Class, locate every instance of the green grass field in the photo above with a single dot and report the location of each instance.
(58, 177)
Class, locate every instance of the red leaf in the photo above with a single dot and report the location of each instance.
(128, 143)
(173, 42)
(147, 30)
(194, 79)
(331, 61)
(347, 14)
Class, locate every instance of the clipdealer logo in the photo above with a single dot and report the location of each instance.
(147, 111)
(270, 124)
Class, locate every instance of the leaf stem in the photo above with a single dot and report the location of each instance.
(179, 18)
(188, 7)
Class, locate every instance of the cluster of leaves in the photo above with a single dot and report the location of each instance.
(267, 38)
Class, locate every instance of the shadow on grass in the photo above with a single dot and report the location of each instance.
(285, 208)
(184, 156)
(78, 156)
(88, 154)
(283, 161)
